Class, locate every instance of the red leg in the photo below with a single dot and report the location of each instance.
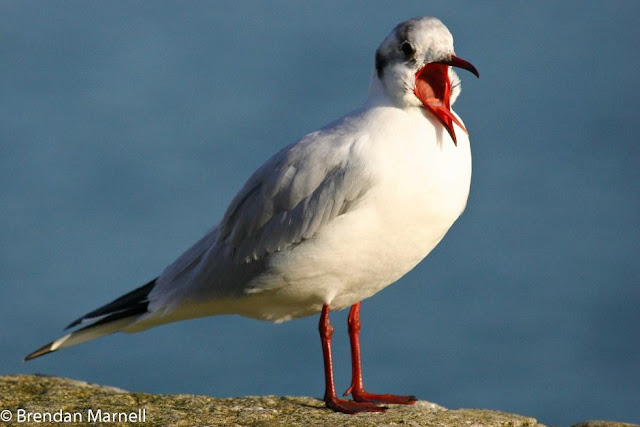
(356, 389)
(330, 398)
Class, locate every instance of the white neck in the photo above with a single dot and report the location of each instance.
(377, 94)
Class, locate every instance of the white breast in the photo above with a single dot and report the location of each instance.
(421, 183)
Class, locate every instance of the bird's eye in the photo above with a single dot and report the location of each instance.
(407, 49)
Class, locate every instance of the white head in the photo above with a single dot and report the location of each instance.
(413, 66)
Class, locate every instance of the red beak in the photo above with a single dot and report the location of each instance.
(433, 89)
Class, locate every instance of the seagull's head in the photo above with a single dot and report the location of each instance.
(414, 67)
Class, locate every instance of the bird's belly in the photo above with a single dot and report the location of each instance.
(356, 255)
(419, 193)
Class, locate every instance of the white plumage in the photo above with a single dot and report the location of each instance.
(332, 218)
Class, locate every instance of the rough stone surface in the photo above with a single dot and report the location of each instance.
(32, 394)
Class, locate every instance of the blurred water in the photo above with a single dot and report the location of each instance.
(127, 127)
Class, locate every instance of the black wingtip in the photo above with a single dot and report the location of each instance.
(45, 349)
(132, 304)
(74, 323)
(135, 297)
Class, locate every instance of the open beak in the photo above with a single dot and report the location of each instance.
(433, 89)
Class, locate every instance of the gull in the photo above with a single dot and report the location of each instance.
(329, 220)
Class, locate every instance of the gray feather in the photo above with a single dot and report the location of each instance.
(289, 199)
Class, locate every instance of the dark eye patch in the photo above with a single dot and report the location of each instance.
(408, 49)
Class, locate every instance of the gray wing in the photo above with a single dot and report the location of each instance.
(292, 196)
(287, 200)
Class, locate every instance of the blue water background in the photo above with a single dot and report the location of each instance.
(127, 127)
